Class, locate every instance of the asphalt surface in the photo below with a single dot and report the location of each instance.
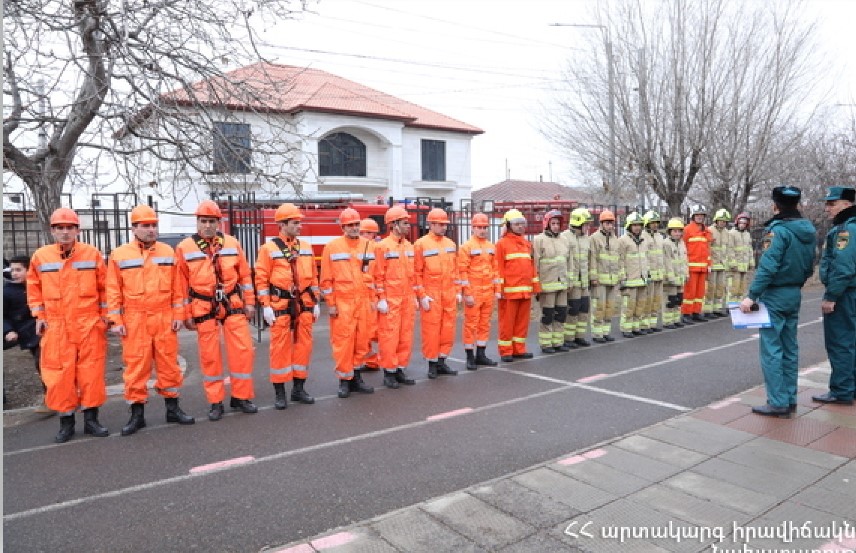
(299, 472)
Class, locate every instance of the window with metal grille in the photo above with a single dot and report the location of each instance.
(433, 160)
(232, 150)
(341, 155)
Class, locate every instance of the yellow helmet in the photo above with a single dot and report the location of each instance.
(633, 219)
(651, 217)
(675, 222)
(722, 215)
(513, 215)
(580, 216)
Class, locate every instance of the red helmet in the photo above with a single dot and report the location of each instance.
(395, 213)
(208, 208)
(369, 225)
(480, 220)
(349, 216)
(552, 214)
(64, 216)
(437, 215)
(143, 214)
(286, 212)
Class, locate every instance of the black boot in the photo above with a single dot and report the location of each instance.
(174, 412)
(243, 405)
(471, 360)
(570, 344)
(482, 359)
(344, 388)
(582, 342)
(432, 370)
(279, 401)
(389, 379)
(443, 368)
(66, 429)
(357, 384)
(687, 320)
(299, 395)
(91, 424)
(216, 411)
(137, 419)
(401, 378)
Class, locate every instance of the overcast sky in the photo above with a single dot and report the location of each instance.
(490, 63)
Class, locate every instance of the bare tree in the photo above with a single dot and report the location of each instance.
(85, 78)
(689, 75)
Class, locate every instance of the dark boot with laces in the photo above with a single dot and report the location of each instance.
(137, 420)
(174, 412)
(482, 359)
(298, 394)
(280, 401)
(91, 424)
(66, 429)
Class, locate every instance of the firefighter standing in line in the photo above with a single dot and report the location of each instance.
(785, 265)
(697, 238)
(395, 283)
(550, 253)
(216, 275)
(633, 262)
(519, 283)
(604, 273)
(65, 292)
(656, 271)
(438, 288)
(741, 258)
(714, 298)
(838, 275)
(347, 286)
(676, 273)
(480, 287)
(579, 299)
(145, 303)
(369, 230)
(287, 284)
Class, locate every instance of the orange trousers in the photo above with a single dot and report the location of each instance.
(289, 355)
(349, 335)
(395, 332)
(477, 321)
(239, 351)
(513, 326)
(694, 293)
(72, 362)
(150, 338)
(438, 325)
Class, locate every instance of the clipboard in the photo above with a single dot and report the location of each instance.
(754, 319)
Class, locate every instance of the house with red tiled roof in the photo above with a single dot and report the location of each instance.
(511, 190)
(331, 137)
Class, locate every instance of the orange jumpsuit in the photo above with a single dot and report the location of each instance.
(698, 239)
(279, 277)
(68, 293)
(479, 279)
(395, 282)
(344, 265)
(436, 268)
(206, 272)
(371, 361)
(519, 283)
(144, 294)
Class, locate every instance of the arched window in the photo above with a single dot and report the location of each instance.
(341, 155)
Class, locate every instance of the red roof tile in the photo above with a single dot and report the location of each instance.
(527, 191)
(289, 89)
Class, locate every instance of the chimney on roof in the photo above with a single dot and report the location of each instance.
(540, 178)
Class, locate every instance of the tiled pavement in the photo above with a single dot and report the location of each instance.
(717, 479)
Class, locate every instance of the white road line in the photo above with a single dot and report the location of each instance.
(273, 457)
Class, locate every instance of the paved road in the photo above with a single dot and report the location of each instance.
(300, 472)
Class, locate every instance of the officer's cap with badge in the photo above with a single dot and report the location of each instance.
(787, 195)
(841, 193)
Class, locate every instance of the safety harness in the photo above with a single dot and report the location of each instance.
(294, 296)
(221, 296)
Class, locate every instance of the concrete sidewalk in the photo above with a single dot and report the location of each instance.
(716, 479)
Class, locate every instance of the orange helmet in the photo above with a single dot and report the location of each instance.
(552, 214)
(480, 220)
(286, 212)
(395, 213)
(349, 216)
(143, 214)
(369, 225)
(606, 215)
(437, 215)
(64, 216)
(208, 208)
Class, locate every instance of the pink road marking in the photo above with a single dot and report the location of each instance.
(333, 541)
(221, 464)
(574, 459)
(302, 548)
(592, 378)
(594, 453)
(724, 403)
(682, 355)
(449, 414)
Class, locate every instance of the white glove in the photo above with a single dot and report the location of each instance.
(267, 313)
(498, 296)
(382, 307)
(459, 298)
(316, 312)
(426, 303)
